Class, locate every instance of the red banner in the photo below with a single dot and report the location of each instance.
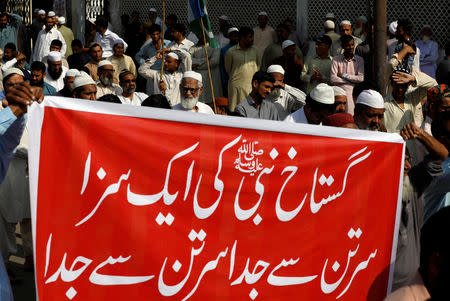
(133, 203)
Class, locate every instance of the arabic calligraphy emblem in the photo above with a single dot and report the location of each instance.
(248, 161)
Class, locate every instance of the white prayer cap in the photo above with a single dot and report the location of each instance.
(330, 16)
(72, 72)
(173, 55)
(275, 69)
(51, 14)
(92, 20)
(329, 24)
(323, 93)
(104, 63)
(338, 91)
(82, 80)
(371, 98)
(362, 18)
(12, 70)
(426, 26)
(287, 43)
(225, 18)
(54, 56)
(152, 10)
(262, 13)
(194, 75)
(62, 20)
(233, 29)
(346, 22)
(393, 27)
(118, 41)
(41, 12)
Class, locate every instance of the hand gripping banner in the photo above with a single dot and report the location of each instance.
(136, 203)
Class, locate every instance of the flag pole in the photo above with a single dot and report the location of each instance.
(162, 42)
(207, 63)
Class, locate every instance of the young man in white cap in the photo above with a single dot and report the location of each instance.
(369, 111)
(328, 28)
(392, 28)
(120, 60)
(291, 64)
(105, 37)
(287, 99)
(256, 105)
(191, 87)
(55, 70)
(429, 52)
(346, 30)
(67, 34)
(84, 87)
(347, 70)
(275, 50)
(44, 39)
(264, 34)
(68, 83)
(340, 99)
(175, 64)
(241, 63)
(105, 83)
(129, 95)
(319, 105)
(317, 68)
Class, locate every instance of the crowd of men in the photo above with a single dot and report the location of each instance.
(258, 72)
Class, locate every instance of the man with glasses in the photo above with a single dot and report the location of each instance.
(128, 85)
(191, 88)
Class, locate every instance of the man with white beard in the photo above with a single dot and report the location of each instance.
(191, 88)
(55, 70)
(369, 110)
(287, 99)
(105, 83)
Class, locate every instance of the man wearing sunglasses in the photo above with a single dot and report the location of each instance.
(128, 85)
(191, 88)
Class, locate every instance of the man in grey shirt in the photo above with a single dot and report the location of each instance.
(256, 105)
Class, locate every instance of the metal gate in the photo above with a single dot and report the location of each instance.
(21, 8)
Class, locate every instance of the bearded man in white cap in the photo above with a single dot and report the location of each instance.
(264, 34)
(68, 83)
(287, 99)
(84, 87)
(340, 99)
(44, 39)
(67, 34)
(55, 70)
(369, 111)
(175, 64)
(319, 105)
(346, 30)
(105, 83)
(129, 95)
(191, 88)
(120, 60)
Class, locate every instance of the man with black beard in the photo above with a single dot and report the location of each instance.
(37, 78)
(55, 70)
(191, 88)
(105, 83)
(128, 85)
(287, 99)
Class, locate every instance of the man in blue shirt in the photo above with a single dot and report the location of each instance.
(9, 24)
(37, 78)
(12, 122)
